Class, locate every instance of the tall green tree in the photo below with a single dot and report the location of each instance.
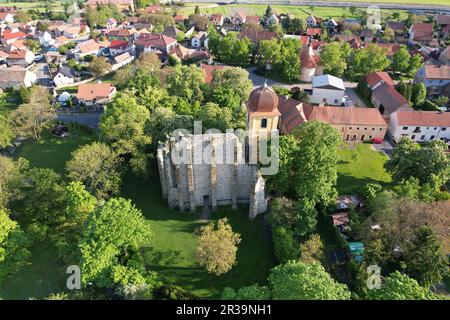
(7, 134)
(110, 245)
(425, 259)
(14, 244)
(419, 94)
(398, 286)
(97, 166)
(401, 60)
(334, 58)
(186, 82)
(123, 126)
(298, 281)
(364, 61)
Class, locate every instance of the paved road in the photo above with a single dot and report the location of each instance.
(91, 119)
(42, 73)
(387, 146)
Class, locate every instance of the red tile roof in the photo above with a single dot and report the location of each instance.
(373, 78)
(118, 44)
(313, 32)
(423, 118)
(91, 91)
(423, 31)
(8, 35)
(257, 36)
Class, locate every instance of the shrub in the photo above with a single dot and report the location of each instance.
(285, 245)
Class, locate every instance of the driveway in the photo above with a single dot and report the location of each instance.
(355, 99)
(42, 73)
(387, 146)
(90, 119)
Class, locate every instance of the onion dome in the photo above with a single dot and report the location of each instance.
(263, 99)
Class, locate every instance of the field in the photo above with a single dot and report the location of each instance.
(172, 253)
(360, 165)
(259, 9)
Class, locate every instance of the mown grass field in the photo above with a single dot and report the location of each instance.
(173, 245)
(359, 166)
(259, 9)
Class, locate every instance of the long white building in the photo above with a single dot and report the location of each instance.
(420, 126)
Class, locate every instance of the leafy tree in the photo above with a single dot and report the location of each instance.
(283, 181)
(253, 292)
(364, 61)
(334, 59)
(415, 63)
(217, 247)
(6, 132)
(123, 126)
(269, 11)
(99, 66)
(186, 82)
(400, 60)
(21, 16)
(197, 10)
(44, 201)
(316, 175)
(441, 101)
(425, 259)
(199, 21)
(428, 163)
(11, 179)
(34, 115)
(312, 250)
(282, 56)
(235, 79)
(97, 167)
(285, 245)
(398, 286)
(306, 217)
(231, 50)
(388, 35)
(215, 117)
(13, 245)
(299, 281)
(110, 244)
(419, 94)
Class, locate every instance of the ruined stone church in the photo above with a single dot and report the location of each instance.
(213, 169)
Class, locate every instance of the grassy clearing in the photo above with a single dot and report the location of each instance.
(173, 246)
(260, 9)
(359, 166)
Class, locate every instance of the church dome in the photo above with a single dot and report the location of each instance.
(263, 99)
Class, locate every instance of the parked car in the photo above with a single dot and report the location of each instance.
(377, 140)
(38, 57)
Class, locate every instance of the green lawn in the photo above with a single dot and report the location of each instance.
(359, 166)
(260, 9)
(172, 253)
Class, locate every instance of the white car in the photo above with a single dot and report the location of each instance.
(38, 57)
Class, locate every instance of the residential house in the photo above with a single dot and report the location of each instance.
(72, 32)
(252, 20)
(444, 56)
(9, 36)
(367, 35)
(46, 39)
(257, 36)
(179, 18)
(185, 54)
(311, 22)
(435, 77)
(122, 60)
(118, 47)
(273, 19)
(6, 17)
(353, 123)
(65, 76)
(122, 5)
(327, 90)
(398, 27)
(154, 43)
(154, 9)
(420, 126)
(95, 93)
(309, 64)
(200, 40)
(313, 32)
(16, 77)
(20, 57)
(124, 34)
(172, 32)
(88, 47)
(238, 19)
(111, 23)
(216, 20)
(384, 96)
(421, 33)
(442, 21)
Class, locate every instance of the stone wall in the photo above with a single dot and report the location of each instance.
(209, 169)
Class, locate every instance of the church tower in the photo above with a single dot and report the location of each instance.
(262, 110)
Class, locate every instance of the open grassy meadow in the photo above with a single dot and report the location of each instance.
(358, 166)
(173, 245)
